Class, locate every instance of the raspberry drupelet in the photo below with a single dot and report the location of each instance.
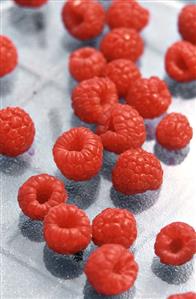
(129, 14)
(176, 243)
(84, 19)
(86, 63)
(180, 61)
(174, 131)
(122, 43)
(122, 72)
(9, 56)
(31, 3)
(187, 23)
(111, 269)
(39, 193)
(78, 153)
(150, 97)
(123, 130)
(189, 295)
(67, 229)
(93, 99)
(17, 131)
(137, 171)
(114, 226)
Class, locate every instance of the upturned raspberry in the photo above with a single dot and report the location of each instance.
(137, 171)
(86, 63)
(187, 23)
(176, 243)
(124, 129)
(150, 97)
(84, 19)
(39, 193)
(180, 61)
(122, 43)
(111, 269)
(189, 295)
(114, 226)
(129, 14)
(9, 56)
(17, 131)
(174, 131)
(93, 99)
(31, 3)
(78, 154)
(67, 229)
(122, 72)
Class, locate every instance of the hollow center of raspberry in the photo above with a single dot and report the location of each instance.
(76, 145)
(77, 19)
(69, 221)
(176, 245)
(43, 194)
(117, 268)
(181, 64)
(86, 53)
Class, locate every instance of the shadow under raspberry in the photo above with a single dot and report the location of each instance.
(170, 157)
(31, 229)
(82, 194)
(14, 166)
(90, 293)
(150, 125)
(76, 122)
(109, 160)
(172, 274)
(63, 266)
(7, 83)
(135, 203)
(182, 90)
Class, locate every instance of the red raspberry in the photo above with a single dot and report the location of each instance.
(122, 72)
(187, 23)
(180, 61)
(129, 14)
(137, 171)
(86, 63)
(175, 243)
(189, 295)
(17, 131)
(78, 154)
(125, 129)
(84, 19)
(174, 131)
(150, 97)
(114, 226)
(111, 269)
(93, 99)
(9, 56)
(39, 193)
(122, 43)
(67, 229)
(31, 3)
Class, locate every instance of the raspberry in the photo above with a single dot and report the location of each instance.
(122, 43)
(67, 229)
(31, 3)
(189, 295)
(129, 14)
(78, 154)
(150, 97)
(39, 193)
(84, 19)
(93, 99)
(111, 269)
(122, 72)
(115, 226)
(175, 243)
(125, 129)
(174, 131)
(180, 61)
(9, 56)
(187, 23)
(137, 171)
(86, 63)
(17, 131)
